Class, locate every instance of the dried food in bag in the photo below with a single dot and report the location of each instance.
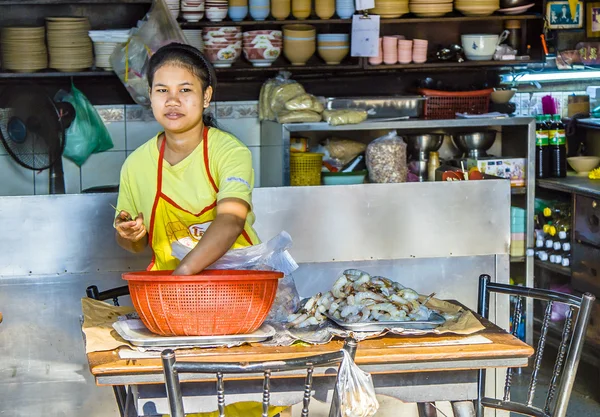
(305, 102)
(298, 116)
(344, 117)
(386, 159)
(341, 151)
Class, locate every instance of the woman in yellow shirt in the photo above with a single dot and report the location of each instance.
(191, 183)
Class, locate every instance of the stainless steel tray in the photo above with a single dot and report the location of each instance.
(137, 334)
(380, 107)
(434, 321)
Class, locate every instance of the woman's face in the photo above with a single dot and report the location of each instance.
(178, 99)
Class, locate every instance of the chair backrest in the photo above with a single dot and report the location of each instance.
(113, 293)
(569, 349)
(172, 368)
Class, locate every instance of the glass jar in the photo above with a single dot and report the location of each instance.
(514, 36)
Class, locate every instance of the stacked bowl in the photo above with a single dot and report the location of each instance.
(390, 9)
(419, 55)
(345, 8)
(281, 9)
(194, 38)
(430, 8)
(215, 10)
(192, 10)
(299, 43)
(325, 9)
(477, 7)
(262, 47)
(259, 9)
(174, 7)
(333, 47)
(105, 42)
(405, 49)
(24, 49)
(222, 45)
(238, 10)
(69, 44)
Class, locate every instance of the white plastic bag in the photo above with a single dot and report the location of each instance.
(356, 393)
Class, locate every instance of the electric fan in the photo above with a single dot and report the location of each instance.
(32, 129)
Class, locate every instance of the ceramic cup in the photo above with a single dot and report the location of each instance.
(344, 8)
(325, 9)
(390, 50)
(281, 9)
(378, 60)
(259, 9)
(301, 9)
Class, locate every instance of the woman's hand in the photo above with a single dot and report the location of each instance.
(131, 234)
(128, 229)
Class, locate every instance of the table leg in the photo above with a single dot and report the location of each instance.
(121, 397)
(426, 410)
(463, 409)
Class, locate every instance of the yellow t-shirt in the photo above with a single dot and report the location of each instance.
(187, 182)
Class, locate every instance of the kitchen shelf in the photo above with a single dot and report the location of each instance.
(559, 269)
(518, 190)
(450, 65)
(572, 184)
(406, 20)
(517, 259)
(39, 2)
(315, 63)
(56, 74)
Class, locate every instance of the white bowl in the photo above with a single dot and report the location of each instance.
(479, 47)
(583, 164)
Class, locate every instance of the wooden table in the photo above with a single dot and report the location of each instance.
(411, 368)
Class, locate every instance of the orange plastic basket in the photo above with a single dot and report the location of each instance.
(215, 302)
(445, 104)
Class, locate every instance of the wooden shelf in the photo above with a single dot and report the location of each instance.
(573, 184)
(559, 269)
(518, 190)
(411, 19)
(315, 64)
(55, 74)
(450, 65)
(40, 2)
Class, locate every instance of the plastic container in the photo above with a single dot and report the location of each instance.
(517, 220)
(215, 302)
(305, 168)
(344, 178)
(445, 105)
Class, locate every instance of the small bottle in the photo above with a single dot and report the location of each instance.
(542, 155)
(558, 148)
(432, 165)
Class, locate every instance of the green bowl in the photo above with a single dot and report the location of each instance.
(344, 178)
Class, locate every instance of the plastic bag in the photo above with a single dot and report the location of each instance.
(130, 62)
(305, 102)
(386, 159)
(356, 393)
(87, 133)
(275, 93)
(272, 255)
(298, 116)
(502, 50)
(344, 117)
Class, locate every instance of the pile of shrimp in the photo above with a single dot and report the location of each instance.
(357, 297)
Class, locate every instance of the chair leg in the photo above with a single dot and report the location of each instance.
(121, 397)
(463, 409)
(426, 410)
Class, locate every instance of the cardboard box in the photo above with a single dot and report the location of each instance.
(514, 169)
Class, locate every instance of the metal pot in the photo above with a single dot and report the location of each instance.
(419, 146)
(474, 145)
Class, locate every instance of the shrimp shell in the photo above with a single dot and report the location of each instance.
(350, 311)
(409, 294)
(364, 295)
(355, 274)
(338, 286)
(311, 321)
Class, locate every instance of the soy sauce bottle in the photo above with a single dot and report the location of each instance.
(542, 155)
(558, 148)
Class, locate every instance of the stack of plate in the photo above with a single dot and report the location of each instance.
(23, 49)
(477, 7)
(390, 9)
(69, 44)
(105, 42)
(194, 38)
(430, 8)
(173, 6)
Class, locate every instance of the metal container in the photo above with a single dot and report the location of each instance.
(419, 146)
(474, 145)
(381, 107)
(434, 321)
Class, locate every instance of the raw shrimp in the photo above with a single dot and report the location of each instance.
(364, 295)
(409, 294)
(350, 310)
(311, 321)
(338, 287)
(356, 274)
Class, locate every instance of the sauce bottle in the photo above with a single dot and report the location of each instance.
(542, 155)
(558, 149)
(432, 165)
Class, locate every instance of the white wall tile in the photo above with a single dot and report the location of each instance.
(255, 150)
(245, 129)
(117, 133)
(15, 180)
(72, 174)
(102, 169)
(139, 132)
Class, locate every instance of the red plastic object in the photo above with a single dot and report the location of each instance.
(215, 302)
(445, 104)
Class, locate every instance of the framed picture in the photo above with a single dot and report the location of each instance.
(592, 27)
(559, 16)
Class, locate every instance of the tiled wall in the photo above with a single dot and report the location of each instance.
(129, 126)
(530, 104)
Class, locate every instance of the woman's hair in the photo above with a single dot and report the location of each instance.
(190, 58)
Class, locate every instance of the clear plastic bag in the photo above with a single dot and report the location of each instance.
(272, 255)
(356, 393)
(344, 117)
(87, 133)
(386, 159)
(275, 93)
(298, 116)
(305, 102)
(130, 62)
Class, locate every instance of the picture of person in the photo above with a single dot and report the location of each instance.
(596, 19)
(559, 15)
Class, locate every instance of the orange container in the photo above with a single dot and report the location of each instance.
(445, 104)
(215, 302)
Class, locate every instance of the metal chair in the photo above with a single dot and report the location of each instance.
(172, 368)
(569, 351)
(113, 294)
